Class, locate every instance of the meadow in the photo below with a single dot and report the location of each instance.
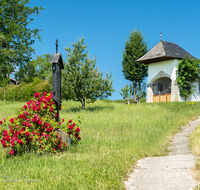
(114, 136)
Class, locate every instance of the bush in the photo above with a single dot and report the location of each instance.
(34, 128)
(24, 91)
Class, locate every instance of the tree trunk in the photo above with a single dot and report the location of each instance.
(4, 95)
(139, 91)
(135, 85)
(83, 104)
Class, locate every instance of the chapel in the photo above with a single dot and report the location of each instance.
(162, 60)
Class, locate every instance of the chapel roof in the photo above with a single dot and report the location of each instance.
(164, 51)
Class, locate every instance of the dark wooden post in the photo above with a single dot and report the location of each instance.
(57, 65)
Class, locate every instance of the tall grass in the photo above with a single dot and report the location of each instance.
(114, 137)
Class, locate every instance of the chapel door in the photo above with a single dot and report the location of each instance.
(162, 90)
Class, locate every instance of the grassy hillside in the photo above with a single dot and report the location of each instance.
(114, 137)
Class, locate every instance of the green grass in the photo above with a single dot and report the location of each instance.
(194, 145)
(114, 136)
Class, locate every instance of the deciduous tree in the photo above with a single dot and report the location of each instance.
(39, 67)
(16, 50)
(81, 79)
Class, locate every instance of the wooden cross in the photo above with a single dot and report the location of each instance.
(56, 46)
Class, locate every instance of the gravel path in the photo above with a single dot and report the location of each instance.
(169, 172)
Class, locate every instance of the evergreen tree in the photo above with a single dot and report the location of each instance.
(135, 47)
(81, 79)
(15, 17)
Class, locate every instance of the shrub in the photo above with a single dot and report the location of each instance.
(24, 91)
(34, 128)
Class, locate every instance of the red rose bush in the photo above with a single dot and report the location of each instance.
(35, 128)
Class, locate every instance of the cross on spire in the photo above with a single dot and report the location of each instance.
(56, 46)
(160, 36)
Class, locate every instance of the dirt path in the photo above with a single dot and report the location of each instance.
(169, 172)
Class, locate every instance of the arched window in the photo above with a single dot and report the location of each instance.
(162, 86)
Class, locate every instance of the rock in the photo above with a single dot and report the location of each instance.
(64, 136)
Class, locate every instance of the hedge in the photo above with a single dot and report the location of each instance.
(23, 91)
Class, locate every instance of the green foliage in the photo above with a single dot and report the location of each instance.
(187, 73)
(15, 45)
(81, 79)
(73, 132)
(127, 91)
(24, 91)
(39, 67)
(135, 47)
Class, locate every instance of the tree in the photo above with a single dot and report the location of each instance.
(187, 73)
(6, 67)
(15, 17)
(82, 80)
(125, 92)
(39, 67)
(135, 47)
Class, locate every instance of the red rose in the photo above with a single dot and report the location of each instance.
(70, 127)
(20, 141)
(33, 120)
(1, 122)
(12, 143)
(40, 122)
(45, 106)
(11, 152)
(59, 146)
(77, 129)
(51, 109)
(70, 121)
(25, 106)
(76, 135)
(5, 133)
(27, 134)
(73, 124)
(44, 93)
(12, 120)
(37, 95)
(11, 130)
(78, 138)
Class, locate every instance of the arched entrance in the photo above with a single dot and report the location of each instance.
(162, 90)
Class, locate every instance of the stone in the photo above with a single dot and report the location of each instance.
(64, 136)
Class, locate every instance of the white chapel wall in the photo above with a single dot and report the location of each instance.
(166, 66)
(169, 67)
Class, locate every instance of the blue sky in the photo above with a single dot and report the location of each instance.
(106, 24)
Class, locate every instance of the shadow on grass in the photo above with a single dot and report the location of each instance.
(95, 108)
